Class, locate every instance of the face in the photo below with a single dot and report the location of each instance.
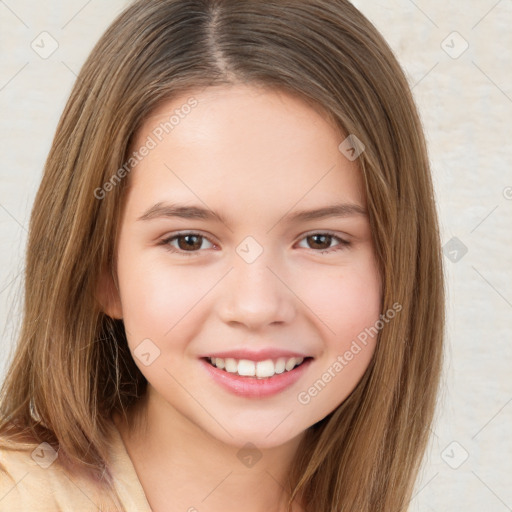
(228, 265)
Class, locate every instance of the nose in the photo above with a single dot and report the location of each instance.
(256, 295)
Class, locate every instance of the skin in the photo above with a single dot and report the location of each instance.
(252, 155)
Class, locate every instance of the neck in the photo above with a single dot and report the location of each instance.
(182, 466)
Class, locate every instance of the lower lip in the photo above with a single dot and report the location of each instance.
(252, 387)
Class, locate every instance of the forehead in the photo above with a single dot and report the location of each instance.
(258, 146)
(239, 97)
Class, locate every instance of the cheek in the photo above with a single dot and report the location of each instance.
(346, 301)
(347, 306)
(148, 295)
(158, 299)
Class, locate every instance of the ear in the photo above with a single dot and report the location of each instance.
(107, 294)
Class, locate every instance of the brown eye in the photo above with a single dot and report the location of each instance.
(187, 243)
(321, 242)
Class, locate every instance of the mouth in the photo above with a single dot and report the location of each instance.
(265, 369)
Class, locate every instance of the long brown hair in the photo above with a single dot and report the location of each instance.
(72, 367)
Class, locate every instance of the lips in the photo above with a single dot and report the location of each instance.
(255, 387)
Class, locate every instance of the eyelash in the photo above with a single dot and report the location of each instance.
(343, 244)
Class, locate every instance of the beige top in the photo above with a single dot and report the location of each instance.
(39, 483)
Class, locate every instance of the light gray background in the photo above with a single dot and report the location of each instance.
(465, 101)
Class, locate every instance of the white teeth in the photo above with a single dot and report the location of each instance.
(265, 368)
(261, 369)
(290, 363)
(280, 365)
(247, 368)
(230, 364)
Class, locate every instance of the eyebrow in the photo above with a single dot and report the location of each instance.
(164, 210)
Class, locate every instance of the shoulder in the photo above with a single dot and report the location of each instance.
(31, 478)
(24, 478)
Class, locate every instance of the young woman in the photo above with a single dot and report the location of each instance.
(234, 295)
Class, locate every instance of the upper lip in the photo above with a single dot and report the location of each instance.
(259, 355)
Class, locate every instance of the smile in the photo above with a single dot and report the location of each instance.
(255, 379)
(259, 369)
